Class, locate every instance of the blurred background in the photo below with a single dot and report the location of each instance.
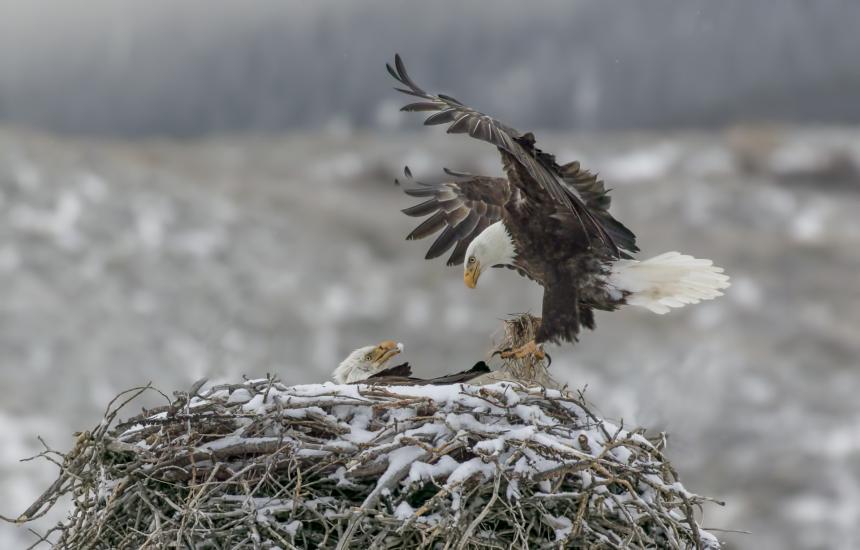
(195, 188)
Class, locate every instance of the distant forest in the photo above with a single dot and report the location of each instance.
(192, 67)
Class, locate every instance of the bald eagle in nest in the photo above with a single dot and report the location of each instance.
(369, 365)
(550, 223)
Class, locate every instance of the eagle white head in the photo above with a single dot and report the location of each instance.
(365, 362)
(494, 246)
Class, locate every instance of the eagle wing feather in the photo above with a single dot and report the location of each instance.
(461, 209)
(597, 200)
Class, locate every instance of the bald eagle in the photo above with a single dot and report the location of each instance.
(365, 362)
(367, 365)
(550, 223)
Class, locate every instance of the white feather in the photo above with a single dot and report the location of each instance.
(494, 246)
(354, 367)
(668, 280)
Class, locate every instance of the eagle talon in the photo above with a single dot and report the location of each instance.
(501, 352)
(531, 348)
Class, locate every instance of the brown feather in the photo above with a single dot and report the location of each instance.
(422, 209)
(459, 254)
(464, 207)
(429, 226)
(443, 242)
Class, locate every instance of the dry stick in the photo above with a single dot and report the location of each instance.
(388, 481)
(477, 521)
(692, 521)
(50, 496)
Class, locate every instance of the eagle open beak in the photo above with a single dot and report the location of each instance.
(470, 276)
(385, 351)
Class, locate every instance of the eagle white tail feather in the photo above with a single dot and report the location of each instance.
(669, 280)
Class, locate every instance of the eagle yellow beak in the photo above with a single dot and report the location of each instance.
(470, 276)
(385, 351)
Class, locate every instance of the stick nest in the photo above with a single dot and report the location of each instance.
(264, 465)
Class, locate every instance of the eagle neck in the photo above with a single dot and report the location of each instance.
(500, 244)
(351, 369)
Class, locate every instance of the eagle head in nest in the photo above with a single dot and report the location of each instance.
(365, 362)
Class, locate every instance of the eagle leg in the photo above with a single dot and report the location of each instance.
(529, 348)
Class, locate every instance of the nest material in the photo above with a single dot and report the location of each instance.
(264, 465)
(517, 331)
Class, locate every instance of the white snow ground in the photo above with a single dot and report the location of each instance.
(125, 262)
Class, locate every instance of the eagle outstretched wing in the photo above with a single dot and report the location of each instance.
(461, 209)
(540, 166)
(401, 375)
(402, 370)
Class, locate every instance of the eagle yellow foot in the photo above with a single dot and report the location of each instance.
(531, 348)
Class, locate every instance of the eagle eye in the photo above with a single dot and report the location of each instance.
(471, 259)
(368, 357)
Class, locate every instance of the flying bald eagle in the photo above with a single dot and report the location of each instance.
(549, 222)
(368, 365)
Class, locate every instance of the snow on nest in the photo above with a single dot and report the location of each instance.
(405, 465)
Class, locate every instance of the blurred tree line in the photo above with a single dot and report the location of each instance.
(197, 66)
